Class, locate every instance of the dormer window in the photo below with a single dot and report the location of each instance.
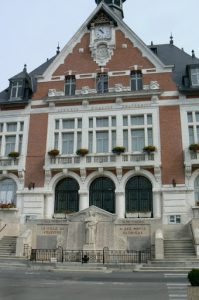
(102, 83)
(195, 77)
(70, 85)
(16, 90)
(136, 80)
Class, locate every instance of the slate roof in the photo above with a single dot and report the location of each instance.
(171, 55)
(33, 76)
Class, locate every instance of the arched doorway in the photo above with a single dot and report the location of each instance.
(102, 194)
(8, 190)
(138, 195)
(67, 196)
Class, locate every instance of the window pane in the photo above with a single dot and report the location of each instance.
(69, 124)
(1, 127)
(56, 124)
(190, 117)
(191, 135)
(197, 117)
(197, 130)
(21, 126)
(178, 219)
(113, 121)
(125, 121)
(11, 127)
(10, 144)
(90, 142)
(102, 141)
(137, 120)
(195, 76)
(113, 139)
(90, 122)
(67, 143)
(79, 140)
(70, 85)
(0, 145)
(136, 81)
(149, 119)
(56, 141)
(150, 136)
(79, 123)
(102, 83)
(13, 92)
(137, 137)
(102, 122)
(125, 139)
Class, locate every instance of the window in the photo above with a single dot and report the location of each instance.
(79, 140)
(196, 189)
(90, 142)
(102, 122)
(69, 124)
(113, 121)
(11, 137)
(70, 85)
(102, 83)
(56, 141)
(16, 90)
(193, 127)
(137, 132)
(8, 191)
(113, 139)
(67, 143)
(195, 77)
(102, 141)
(176, 219)
(136, 81)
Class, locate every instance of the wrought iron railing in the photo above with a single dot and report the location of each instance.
(95, 256)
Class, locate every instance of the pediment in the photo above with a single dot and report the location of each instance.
(108, 14)
(99, 214)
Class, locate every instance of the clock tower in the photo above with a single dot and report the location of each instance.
(115, 5)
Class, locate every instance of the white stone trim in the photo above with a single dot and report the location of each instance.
(141, 172)
(14, 178)
(91, 177)
(53, 182)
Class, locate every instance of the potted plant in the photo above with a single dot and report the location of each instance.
(149, 149)
(7, 205)
(53, 152)
(118, 150)
(82, 152)
(193, 290)
(194, 147)
(13, 154)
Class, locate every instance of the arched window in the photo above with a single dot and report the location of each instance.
(8, 191)
(138, 195)
(196, 190)
(102, 194)
(67, 196)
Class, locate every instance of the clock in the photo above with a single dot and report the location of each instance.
(103, 32)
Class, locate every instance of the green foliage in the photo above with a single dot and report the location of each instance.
(53, 152)
(82, 152)
(118, 150)
(194, 147)
(149, 148)
(14, 154)
(193, 277)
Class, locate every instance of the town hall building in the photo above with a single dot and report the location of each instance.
(99, 144)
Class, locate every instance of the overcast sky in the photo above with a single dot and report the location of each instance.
(31, 29)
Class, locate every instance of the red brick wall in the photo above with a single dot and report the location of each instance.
(36, 150)
(171, 145)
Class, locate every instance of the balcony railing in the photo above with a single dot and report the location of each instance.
(73, 161)
(191, 158)
(9, 163)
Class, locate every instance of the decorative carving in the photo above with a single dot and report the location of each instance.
(188, 171)
(101, 53)
(90, 227)
(119, 173)
(157, 173)
(101, 170)
(154, 85)
(48, 176)
(83, 174)
(101, 18)
(85, 90)
(55, 93)
(154, 99)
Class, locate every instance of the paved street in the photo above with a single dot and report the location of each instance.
(40, 285)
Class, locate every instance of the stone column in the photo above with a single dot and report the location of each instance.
(157, 205)
(120, 204)
(48, 206)
(83, 200)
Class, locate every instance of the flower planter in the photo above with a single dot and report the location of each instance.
(118, 150)
(53, 153)
(13, 155)
(82, 152)
(194, 147)
(149, 149)
(132, 214)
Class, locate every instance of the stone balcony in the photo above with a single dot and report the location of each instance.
(100, 160)
(9, 164)
(191, 159)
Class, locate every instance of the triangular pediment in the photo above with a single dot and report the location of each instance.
(108, 14)
(94, 212)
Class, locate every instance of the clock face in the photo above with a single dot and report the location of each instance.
(103, 32)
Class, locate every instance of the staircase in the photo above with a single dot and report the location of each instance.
(8, 246)
(179, 249)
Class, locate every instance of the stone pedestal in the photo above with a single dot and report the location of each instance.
(193, 292)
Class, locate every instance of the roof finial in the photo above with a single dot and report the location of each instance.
(171, 39)
(25, 68)
(151, 43)
(193, 54)
(58, 49)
